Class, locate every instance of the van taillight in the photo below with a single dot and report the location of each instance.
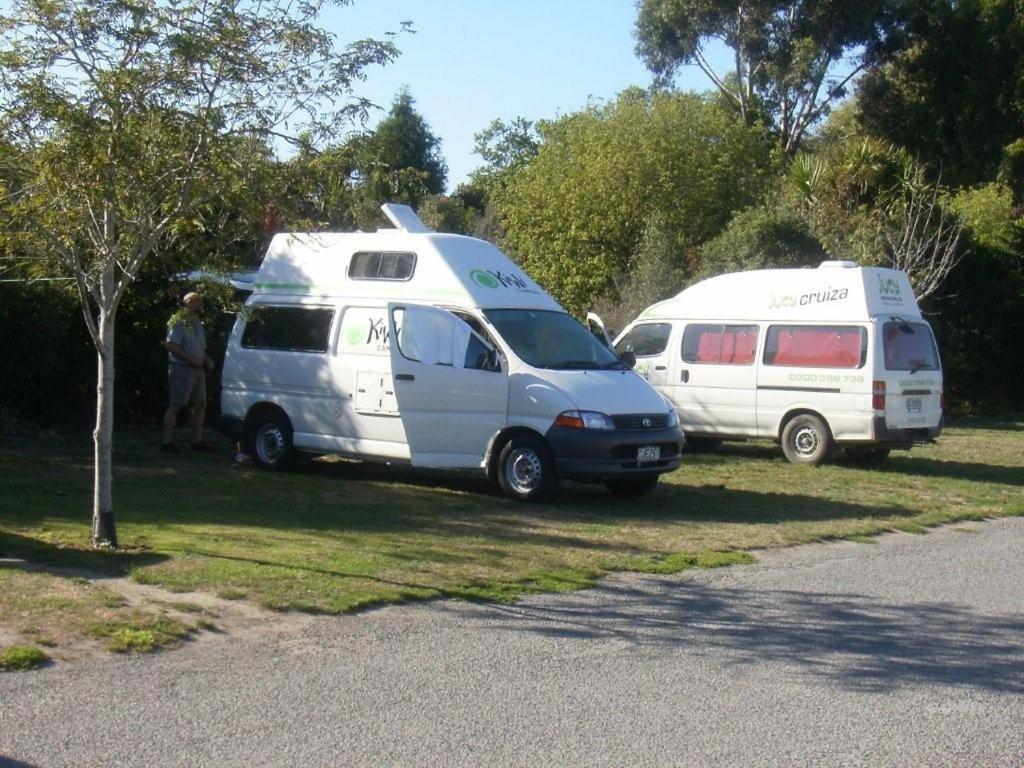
(878, 395)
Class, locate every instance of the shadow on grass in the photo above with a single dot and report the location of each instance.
(352, 496)
(857, 641)
(899, 463)
(955, 470)
(67, 561)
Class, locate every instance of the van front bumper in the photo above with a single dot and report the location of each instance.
(594, 455)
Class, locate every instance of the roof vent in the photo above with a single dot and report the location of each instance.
(404, 218)
(838, 265)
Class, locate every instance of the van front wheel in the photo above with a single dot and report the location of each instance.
(526, 469)
(806, 439)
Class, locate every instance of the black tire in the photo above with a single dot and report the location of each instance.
(632, 487)
(698, 444)
(270, 441)
(806, 439)
(867, 456)
(526, 469)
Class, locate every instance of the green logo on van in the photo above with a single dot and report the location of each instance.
(355, 334)
(485, 279)
(888, 285)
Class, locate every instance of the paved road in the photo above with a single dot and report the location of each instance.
(909, 652)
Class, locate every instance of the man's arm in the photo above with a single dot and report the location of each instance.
(179, 350)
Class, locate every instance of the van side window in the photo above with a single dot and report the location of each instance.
(816, 346)
(434, 338)
(707, 344)
(288, 329)
(482, 353)
(645, 340)
(382, 265)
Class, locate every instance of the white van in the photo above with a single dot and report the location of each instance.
(409, 346)
(811, 358)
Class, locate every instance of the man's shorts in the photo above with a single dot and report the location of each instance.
(185, 385)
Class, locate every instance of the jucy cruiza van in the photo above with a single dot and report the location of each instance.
(435, 350)
(811, 358)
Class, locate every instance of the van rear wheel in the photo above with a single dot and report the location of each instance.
(526, 469)
(270, 441)
(806, 439)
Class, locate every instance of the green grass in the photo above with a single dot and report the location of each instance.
(20, 658)
(336, 536)
(140, 633)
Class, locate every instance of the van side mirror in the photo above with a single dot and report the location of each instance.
(628, 358)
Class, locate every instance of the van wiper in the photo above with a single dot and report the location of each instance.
(573, 365)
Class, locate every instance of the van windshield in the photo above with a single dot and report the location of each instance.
(909, 347)
(549, 339)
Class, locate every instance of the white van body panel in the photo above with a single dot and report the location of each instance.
(756, 398)
(360, 395)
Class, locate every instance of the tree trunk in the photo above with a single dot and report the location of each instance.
(104, 533)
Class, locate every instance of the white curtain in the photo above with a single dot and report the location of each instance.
(433, 337)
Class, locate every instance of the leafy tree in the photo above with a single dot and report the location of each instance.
(793, 59)
(445, 214)
(953, 92)
(654, 273)
(764, 237)
(991, 218)
(505, 148)
(872, 203)
(576, 214)
(399, 161)
(121, 112)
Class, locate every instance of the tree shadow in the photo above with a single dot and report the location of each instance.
(857, 641)
(67, 561)
(10, 762)
(956, 470)
(478, 509)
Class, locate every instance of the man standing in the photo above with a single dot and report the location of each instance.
(186, 372)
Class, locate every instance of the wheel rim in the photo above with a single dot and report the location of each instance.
(523, 470)
(270, 443)
(806, 442)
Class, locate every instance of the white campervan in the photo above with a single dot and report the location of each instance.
(810, 358)
(409, 346)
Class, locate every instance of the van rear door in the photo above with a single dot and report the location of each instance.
(912, 375)
(450, 384)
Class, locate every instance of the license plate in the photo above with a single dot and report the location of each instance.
(913, 405)
(648, 453)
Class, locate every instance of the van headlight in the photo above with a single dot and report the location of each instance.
(584, 420)
(673, 418)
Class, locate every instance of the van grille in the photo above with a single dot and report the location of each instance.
(641, 421)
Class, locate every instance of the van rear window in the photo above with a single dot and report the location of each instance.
(714, 344)
(816, 346)
(382, 265)
(909, 347)
(288, 329)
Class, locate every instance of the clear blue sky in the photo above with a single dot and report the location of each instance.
(471, 61)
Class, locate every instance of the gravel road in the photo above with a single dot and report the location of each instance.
(907, 652)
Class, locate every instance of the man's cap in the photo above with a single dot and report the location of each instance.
(189, 296)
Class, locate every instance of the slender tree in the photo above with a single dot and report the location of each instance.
(118, 109)
(791, 59)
